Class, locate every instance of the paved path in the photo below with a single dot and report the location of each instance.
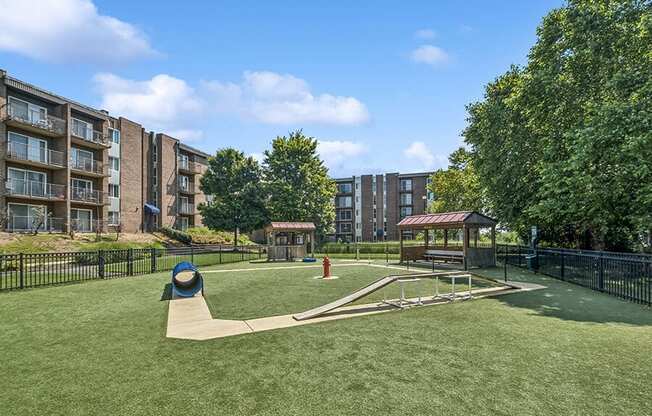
(190, 318)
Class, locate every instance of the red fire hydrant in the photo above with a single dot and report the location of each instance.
(327, 267)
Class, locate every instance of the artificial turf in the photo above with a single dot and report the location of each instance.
(100, 348)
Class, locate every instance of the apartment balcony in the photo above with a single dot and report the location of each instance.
(187, 209)
(21, 224)
(188, 189)
(35, 190)
(89, 167)
(90, 138)
(35, 156)
(46, 125)
(187, 166)
(88, 197)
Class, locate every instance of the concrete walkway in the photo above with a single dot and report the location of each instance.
(190, 318)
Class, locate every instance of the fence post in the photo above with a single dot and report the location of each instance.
(519, 255)
(130, 262)
(100, 263)
(220, 248)
(386, 254)
(601, 274)
(260, 254)
(562, 264)
(152, 258)
(241, 254)
(22, 271)
(192, 254)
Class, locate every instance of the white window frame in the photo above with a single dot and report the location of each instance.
(111, 164)
(90, 211)
(45, 208)
(89, 127)
(31, 106)
(116, 214)
(29, 139)
(72, 182)
(113, 136)
(114, 186)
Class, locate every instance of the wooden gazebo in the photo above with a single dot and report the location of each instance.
(472, 252)
(289, 240)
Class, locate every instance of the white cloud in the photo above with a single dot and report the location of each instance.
(275, 98)
(187, 135)
(421, 154)
(163, 102)
(336, 152)
(425, 34)
(68, 30)
(429, 54)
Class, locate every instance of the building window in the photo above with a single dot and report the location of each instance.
(344, 228)
(28, 148)
(406, 185)
(344, 215)
(183, 223)
(114, 191)
(82, 129)
(344, 188)
(344, 202)
(115, 135)
(406, 199)
(406, 212)
(114, 218)
(24, 217)
(114, 164)
(82, 220)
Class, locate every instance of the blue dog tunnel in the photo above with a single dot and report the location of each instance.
(186, 280)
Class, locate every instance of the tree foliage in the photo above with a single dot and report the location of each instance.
(298, 184)
(458, 187)
(234, 182)
(566, 141)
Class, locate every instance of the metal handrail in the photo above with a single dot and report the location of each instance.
(188, 165)
(188, 188)
(19, 223)
(85, 195)
(90, 135)
(89, 165)
(187, 208)
(52, 124)
(19, 187)
(22, 151)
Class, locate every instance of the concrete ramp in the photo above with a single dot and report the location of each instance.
(362, 292)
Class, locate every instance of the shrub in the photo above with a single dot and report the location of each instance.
(176, 234)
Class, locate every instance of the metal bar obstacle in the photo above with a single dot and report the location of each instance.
(186, 280)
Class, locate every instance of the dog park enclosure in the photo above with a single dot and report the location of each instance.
(289, 240)
(472, 252)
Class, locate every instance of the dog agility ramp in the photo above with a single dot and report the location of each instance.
(372, 287)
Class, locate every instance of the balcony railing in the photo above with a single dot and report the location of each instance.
(35, 189)
(91, 226)
(188, 209)
(88, 196)
(189, 166)
(17, 223)
(31, 153)
(188, 188)
(50, 124)
(89, 165)
(90, 135)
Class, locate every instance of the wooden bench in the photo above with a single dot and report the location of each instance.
(444, 255)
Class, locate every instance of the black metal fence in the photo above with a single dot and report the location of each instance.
(27, 270)
(625, 275)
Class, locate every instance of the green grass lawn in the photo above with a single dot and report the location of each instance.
(256, 293)
(100, 348)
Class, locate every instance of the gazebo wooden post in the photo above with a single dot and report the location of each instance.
(312, 243)
(445, 238)
(465, 242)
(400, 234)
(476, 235)
(425, 237)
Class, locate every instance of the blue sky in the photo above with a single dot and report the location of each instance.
(382, 85)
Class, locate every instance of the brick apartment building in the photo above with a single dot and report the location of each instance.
(368, 207)
(80, 168)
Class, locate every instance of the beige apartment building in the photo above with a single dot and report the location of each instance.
(66, 166)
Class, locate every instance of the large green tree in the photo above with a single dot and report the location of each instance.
(458, 187)
(299, 187)
(235, 185)
(566, 141)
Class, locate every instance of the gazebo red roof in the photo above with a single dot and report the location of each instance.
(292, 226)
(444, 219)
